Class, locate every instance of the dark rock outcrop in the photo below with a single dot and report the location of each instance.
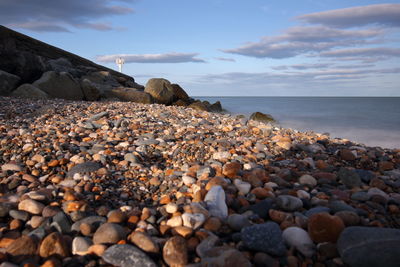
(59, 85)
(8, 82)
(46, 71)
(29, 91)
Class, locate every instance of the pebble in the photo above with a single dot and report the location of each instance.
(127, 256)
(109, 233)
(308, 180)
(193, 220)
(54, 245)
(22, 248)
(299, 239)
(266, 237)
(289, 203)
(225, 256)
(243, 187)
(80, 245)
(238, 221)
(144, 242)
(175, 251)
(11, 167)
(368, 246)
(349, 178)
(31, 206)
(323, 227)
(215, 200)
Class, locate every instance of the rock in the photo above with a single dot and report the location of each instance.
(179, 93)
(308, 180)
(193, 220)
(231, 169)
(85, 167)
(130, 157)
(266, 237)
(60, 65)
(109, 233)
(221, 156)
(116, 216)
(324, 227)
(31, 206)
(187, 180)
(161, 90)
(349, 178)
(215, 199)
(238, 221)
(206, 245)
(127, 256)
(90, 91)
(94, 221)
(8, 82)
(347, 154)
(22, 249)
(349, 218)
(4, 209)
(216, 107)
(261, 117)
(54, 245)
(175, 251)
(133, 95)
(289, 203)
(298, 238)
(171, 208)
(29, 91)
(369, 246)
(11, 167)
(59, 85)
(262, 208)
(144, 242)
(242, 187)
(198, 105)
(225, 256)
(80, 245)
(61, 223)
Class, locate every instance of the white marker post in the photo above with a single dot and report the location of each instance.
(120, 61)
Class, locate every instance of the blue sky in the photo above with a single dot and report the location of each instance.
(235, 47)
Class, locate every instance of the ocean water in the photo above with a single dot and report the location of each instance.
(373, 121)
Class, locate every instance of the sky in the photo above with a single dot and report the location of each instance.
(229, 47)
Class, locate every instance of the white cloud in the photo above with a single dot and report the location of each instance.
(152, 58)
(60, 16)
(304, 40)
(380, 14)
(369, 52)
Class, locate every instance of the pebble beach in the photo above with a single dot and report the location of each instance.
(128, 184)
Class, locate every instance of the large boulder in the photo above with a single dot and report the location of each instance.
(261, 117)
(60, 85)
(90, 90)
(29, 91)
(63, 65)
(161, 90)
(103, 81)
(179, 93)
(133, 95)
(8, 82)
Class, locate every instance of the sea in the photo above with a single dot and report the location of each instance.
(373, 121)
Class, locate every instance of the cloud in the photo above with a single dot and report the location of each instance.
(303, 40)
(152, 58)
(369, 52)
(225, 59)
(380, 14)
(302, 66)
(60, 16)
